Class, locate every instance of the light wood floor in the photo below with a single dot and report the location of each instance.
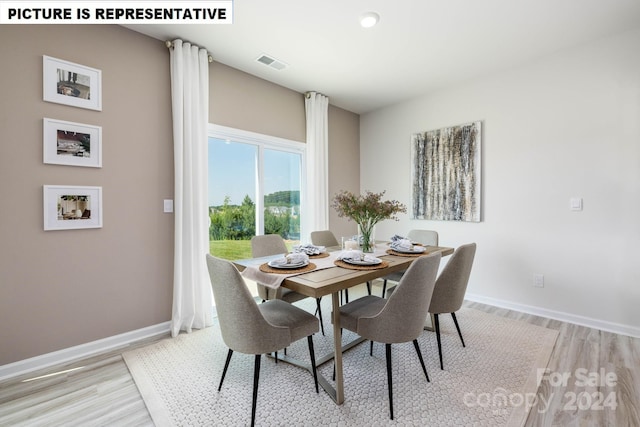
(99, 391)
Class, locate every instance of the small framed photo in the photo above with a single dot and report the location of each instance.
(69, 207)
(72, 84)
(72, 144)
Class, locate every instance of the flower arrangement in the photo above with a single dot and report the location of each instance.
(366, 210)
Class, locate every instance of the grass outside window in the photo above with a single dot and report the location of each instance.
(236, 249)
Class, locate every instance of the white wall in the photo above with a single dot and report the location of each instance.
(566, 125)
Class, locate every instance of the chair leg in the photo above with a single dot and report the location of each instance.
(319, 310)
(436, 322)
(312, 355)
(384, 287)
(369, 288)
(346, 296)
(457, 327)
(256, 377)
(276, 353)
(371, 349)
(424, 368)
(226, 365)
(389, 379)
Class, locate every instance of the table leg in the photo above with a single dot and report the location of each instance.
(335, 392)
(428, 326)
(337, 343)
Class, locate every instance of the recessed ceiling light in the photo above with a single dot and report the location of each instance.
(369, 19)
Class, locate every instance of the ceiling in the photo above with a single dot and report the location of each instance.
(417, 47)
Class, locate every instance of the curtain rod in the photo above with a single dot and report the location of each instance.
(169, 45)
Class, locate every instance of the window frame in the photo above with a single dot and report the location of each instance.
(263, 141)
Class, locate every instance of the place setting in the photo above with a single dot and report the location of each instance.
(312, 251)
(402, 246)
(289, 264)
(358, 260)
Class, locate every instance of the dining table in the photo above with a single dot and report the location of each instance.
(329, 277)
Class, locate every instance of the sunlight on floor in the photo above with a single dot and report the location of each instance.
(52, 374)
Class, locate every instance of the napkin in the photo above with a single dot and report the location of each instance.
(294, 258)
(357, 256)
(402, 244)
(397, 237)
(309, 249)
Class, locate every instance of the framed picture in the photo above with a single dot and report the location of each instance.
(72, 207)
(72, 144)
(72, 84)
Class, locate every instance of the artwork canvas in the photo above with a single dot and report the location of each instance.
(446, 165)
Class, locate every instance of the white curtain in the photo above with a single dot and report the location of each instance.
(192, 298)
(317, 190)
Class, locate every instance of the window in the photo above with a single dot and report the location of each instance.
(255, 184)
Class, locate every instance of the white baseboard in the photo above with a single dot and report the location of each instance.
(590, 322)
(80, 351)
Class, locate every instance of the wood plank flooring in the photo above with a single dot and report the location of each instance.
(99, 391)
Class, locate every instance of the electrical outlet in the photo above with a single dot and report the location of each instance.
(168, 206)
(538, 280)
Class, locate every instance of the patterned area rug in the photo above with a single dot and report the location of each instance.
(488, 383)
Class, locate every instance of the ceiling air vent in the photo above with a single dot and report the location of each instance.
(271, 62)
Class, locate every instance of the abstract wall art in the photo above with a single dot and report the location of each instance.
(446, 173)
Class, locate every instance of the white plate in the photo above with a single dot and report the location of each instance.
(416, 250)
(358, 262)
(287, 266)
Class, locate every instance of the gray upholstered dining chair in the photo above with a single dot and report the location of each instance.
(273, 244)
(252, 328)
(324, 238)
(425, 237)
(328, 239)
(450, 289)
(398, 319)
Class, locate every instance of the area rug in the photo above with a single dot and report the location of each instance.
(491, 382)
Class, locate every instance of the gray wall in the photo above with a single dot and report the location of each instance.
(60, 289)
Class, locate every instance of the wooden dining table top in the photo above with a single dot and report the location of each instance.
(318, 283)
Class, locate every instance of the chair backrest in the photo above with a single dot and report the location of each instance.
(242, 325)
(268, 244)
(451, 285)
(426, 237)
(403, 316)
(324, 238)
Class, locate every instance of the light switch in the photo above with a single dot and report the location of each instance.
(168, 205)
(576, 203)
